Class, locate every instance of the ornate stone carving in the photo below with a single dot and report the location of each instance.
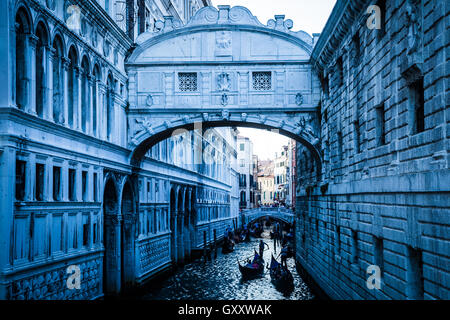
(244, 116)
(205, 116)
(223, 43)
(223, 82)
(225, 115)
(414, 26)
(149, 100)
(224, 99)
(299, 99)
(305, 128)
(146, 126)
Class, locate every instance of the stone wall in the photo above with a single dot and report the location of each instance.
(382, 197)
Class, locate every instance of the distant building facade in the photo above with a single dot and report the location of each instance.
(266, 182)
(281, 175)
(245, 159)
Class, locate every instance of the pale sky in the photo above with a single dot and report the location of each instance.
(307, 15)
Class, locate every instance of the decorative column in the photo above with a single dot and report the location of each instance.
(78, 102)
(65, 94)
(91, 83)
(31, 73)
(48, 115)
(101, 106)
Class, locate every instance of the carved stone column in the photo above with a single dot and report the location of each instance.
(31, 72)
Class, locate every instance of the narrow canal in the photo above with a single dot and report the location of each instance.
(220, 279)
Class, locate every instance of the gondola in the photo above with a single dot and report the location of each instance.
(227, 246)
(253, 269)
(281, 276)
(245, 236)
(256, 232)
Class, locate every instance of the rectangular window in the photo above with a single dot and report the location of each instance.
(378, 253)
(357, 134)
(95, 232)
(340, 146)
(187, 81)
(85, 231)
(56, 183)
(72, 186)
(242, 147)
(380, 125)
(20, 179)
(355, 252)
(95, 187)
(262, 81)
(39, 191)
(340, 71)
(84, 184)
(417, 105)
(414, 274)
(356, 48)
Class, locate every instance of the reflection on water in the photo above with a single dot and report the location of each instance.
(220, 279)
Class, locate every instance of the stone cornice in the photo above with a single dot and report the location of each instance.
(339, 24)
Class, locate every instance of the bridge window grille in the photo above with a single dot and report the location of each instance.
(187, 81)
(262, 81)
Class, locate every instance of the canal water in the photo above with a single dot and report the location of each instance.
(220, 279)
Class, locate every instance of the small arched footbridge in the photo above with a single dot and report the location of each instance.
(283, 214)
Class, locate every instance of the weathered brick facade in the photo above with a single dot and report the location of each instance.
(383, 193)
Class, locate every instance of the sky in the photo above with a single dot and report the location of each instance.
(307, 15)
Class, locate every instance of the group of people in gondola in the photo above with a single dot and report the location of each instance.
(279, 272)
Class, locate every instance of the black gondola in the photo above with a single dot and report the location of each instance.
(228, 246)
(245, 236)
(256, 232)
(254, 268)
(281, 276)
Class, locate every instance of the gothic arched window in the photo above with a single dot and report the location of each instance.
(22, 81)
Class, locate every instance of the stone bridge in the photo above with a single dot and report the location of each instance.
(283, 214)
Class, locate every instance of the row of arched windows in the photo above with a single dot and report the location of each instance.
(45, 80)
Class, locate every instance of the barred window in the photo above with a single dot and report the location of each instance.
(262, 81)
(187, 81)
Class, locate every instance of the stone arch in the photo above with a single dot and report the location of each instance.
(151, 135)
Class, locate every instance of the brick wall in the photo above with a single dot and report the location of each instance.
(383, 197)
